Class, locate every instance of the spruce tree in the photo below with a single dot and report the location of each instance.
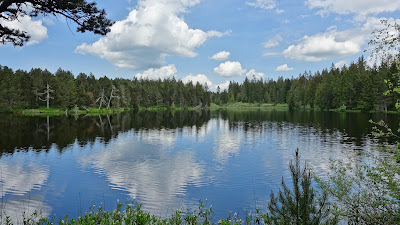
(302, 205)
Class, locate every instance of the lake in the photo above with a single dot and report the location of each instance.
(231, 159)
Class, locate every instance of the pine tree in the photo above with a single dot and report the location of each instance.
(85, 15)
(10, 89)
(301, 205)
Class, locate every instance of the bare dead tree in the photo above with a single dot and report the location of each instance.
(45, 128)
(76, 109)
(48, 128)
(102, 99)
(113, 90)
(101, 125)
(47, 93)
(109, 123)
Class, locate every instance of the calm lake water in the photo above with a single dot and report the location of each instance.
(64, 165)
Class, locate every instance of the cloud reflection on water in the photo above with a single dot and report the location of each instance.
(17, 205)
(226, 144)
(163, 137)
(20, 178)
(155, 176)
(18, 181)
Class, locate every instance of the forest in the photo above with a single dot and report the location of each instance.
(353, 87)
(22, 89)
(356, 87)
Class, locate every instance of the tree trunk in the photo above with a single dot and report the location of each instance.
(48, 96)
(111, 96)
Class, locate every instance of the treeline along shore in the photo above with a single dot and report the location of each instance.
(353, 87)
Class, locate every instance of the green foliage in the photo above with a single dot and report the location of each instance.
(394, 87)
(86, 15)
(385, 42)
(381, 129)
(24, 90)
(357, 86)
(367, 193)
(10, 89)
(301, 205)
(123, 214)
(43, 111)
(243, 105)
(342, 108)
(66, 95)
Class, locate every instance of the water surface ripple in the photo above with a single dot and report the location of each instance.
(64, 165)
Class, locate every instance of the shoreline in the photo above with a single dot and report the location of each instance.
(212, 107)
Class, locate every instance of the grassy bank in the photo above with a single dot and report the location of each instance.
(164, 108)
(243, 105)
(359, 111)
(60, 112)
(230, 106)
(89, 111)
(268, 106)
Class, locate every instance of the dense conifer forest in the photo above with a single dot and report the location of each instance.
(356, 87)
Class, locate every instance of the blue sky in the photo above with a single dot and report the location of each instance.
(208, 41)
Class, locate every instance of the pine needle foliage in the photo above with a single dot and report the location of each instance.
(302, 205)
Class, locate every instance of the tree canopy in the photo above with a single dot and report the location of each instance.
(86, 15)
(356, 87)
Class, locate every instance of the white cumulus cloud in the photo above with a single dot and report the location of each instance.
(283, 67)
(263, 4)
(223, 86)
(153, 30)
(340, 64)
(333, 43)
(224, 55)
(272, 53)
(201, 78)
(161, 73)
(229, 69)
(34, 28)
(252, 74)
(273, 42)
(324, 46)
(360, 7)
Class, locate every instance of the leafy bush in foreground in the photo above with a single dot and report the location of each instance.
(134, 214)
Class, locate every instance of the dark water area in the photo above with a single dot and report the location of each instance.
(64, 165)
